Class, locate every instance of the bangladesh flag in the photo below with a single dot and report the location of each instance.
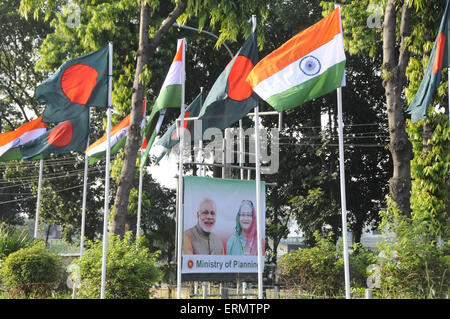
(70, 135)
(14, 154)
(97, 150)
(77, 84)
(432, 77)
(231, 97)
(170, 138)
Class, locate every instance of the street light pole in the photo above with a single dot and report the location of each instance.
(203, 31)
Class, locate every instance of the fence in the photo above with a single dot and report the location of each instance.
(188, 291)
(207, 290)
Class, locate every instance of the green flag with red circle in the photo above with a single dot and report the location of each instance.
(76, 85)
(433, 73)
(67, 136)
(231, 97)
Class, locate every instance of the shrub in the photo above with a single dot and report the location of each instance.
(130, 269)
(319, 270)
(12, 239)
(31, 272)
(416, 262)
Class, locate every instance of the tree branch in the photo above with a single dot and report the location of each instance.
(389, 40)
(19, 104)
(165, 25)
(404, 53)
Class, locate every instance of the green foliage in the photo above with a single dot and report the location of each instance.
(320, 211)
(424, 27)
(31, 272)
(362, 22)
(320, 270)
(229, 17)
(62, 192)
(118, 21)
(308, 176)
(358, 36)
(430, 171)
(418, 259)
(17, 58)
(415, 262)
(131, 269)
(12, 239)
(20, 40)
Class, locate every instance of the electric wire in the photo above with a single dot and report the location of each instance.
(51, 176)
(56, 191)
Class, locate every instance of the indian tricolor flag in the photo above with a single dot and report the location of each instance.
(25, 133)
(309, 65)
(170, 93)
(119, 133)
(169, 96)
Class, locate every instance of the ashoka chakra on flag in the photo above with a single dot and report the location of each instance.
(310, 65)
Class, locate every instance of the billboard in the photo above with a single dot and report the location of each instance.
(219, 229)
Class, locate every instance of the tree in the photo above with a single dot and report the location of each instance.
(18, 78)
(232, 17)
(308, 176)
(394, 40)
(158, 222)
(395, 61)
(132, 269)
(429, 137)
(155, 19)
(20, 38)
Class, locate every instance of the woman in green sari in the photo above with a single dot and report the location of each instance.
(244, 239)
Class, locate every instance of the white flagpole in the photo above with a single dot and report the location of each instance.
(141, 176)
(202, 169)
(448, 72)
(138, 222)
(342, 179)
(241, 148)
(108, 159)
(258, 205)
(343, 198)
(258, 192)
(38, 203)
(83, 209)
(180, 179)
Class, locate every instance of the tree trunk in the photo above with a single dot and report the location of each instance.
(357, 231)
(394, 81)
(276, 243)
(48, 234)
(121, 220)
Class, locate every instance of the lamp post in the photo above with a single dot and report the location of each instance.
(180, 185)
(203, 31)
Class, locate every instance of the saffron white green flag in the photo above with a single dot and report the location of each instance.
(307, 66)
(10, 141)
(97, 150)
(22, 135)
(169, 96)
